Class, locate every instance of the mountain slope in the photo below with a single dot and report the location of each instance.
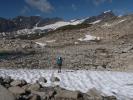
(22, 22)
(107, 15)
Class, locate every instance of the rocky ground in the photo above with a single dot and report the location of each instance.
(112, 52)
(21, 90)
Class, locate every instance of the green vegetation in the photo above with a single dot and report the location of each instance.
(7, 52)
(71, 27)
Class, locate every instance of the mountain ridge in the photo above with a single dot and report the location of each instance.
(25, 22)
(29, 22)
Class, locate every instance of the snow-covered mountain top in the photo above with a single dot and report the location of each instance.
(107, 11)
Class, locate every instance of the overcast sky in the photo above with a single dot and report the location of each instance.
(67, 9)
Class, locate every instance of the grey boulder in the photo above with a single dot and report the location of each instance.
(5, 94)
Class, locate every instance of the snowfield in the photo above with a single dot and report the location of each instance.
(119, 84)
(95, 22)
(89, 38)
(59, 24)
(41, 44)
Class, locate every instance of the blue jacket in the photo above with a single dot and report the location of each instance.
(59, 61)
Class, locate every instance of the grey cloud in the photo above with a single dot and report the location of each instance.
(42, 5)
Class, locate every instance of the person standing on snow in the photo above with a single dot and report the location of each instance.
(59, 63)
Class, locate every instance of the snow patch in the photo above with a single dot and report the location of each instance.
(59, 24)
(95, 22)
(76, 43)
(122, 20)
(25, 31)
(107, 11)
(110, 83)
(89, 38)
(41, 44)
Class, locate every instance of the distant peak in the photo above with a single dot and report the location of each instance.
(108, 11)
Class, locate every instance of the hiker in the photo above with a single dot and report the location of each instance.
(59, 63)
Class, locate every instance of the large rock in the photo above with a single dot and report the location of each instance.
(94, 94)
(109, 98)
(126, 50)
(34, 87)
(26, 87)
(63, 94)
(42, 95)
(18, 83)
(1, 80)
(55, 79)
(5, 94)
(49, 92)
(7, 79)
(42, 80)
(17, 90)
(6, 82)
(35, 97)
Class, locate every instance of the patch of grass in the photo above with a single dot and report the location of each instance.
(71, 27)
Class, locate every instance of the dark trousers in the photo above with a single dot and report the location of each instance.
(59, 68)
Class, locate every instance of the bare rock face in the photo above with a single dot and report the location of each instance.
(5, 94)
(103, 16)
